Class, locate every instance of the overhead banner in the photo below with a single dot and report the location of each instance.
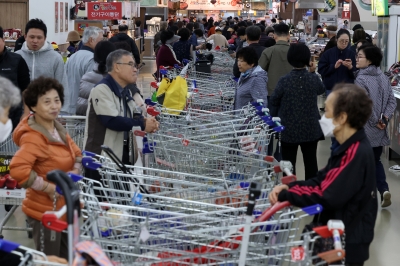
(207, 5)
(104, 11)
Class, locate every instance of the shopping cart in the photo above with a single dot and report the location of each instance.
(138, 235)
(75, 126)
(126, 181)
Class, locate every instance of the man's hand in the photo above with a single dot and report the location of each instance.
(273, 196)
(338, 63)
(151, 125)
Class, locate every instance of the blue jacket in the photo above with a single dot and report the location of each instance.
(326, 67)
(295, 96)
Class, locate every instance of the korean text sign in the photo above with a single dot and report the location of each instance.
(104, 11)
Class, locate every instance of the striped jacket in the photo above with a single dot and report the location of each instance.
(378, 87)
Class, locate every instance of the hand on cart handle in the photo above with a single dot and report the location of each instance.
(151, 125)
(273, 195)
(71, 195)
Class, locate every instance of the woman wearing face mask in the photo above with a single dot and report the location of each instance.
(346, 186)
(376, 83)
(44, 146)
(9, 97)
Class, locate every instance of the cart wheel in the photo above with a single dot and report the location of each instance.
(8, 207)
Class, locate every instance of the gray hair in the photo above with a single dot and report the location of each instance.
(91, 32)
(163, 25)
(114, 57)
(9, 94)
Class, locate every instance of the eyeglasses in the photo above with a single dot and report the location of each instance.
(357, 57)
(131, 64)
(343, 41)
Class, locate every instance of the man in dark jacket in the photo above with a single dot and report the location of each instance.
(253, 34)
(14, 68)
(264, 37)
(122, 36)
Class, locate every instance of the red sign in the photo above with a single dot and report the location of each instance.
(345, 14)
(297, 253)
(104, 11)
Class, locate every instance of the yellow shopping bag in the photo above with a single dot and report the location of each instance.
(172, 94)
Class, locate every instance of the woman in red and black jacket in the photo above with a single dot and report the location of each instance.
(346, 187)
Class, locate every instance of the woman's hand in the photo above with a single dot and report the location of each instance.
(338, 63)
(273, 196)
(381, 126)
(348, 63)
(50, 190)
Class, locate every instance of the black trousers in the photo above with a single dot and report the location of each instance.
(309, 150)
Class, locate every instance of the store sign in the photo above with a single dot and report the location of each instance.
(104, 11)
(345, 14)
(380, 8)
(219, 5)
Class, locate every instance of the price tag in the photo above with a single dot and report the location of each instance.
(297, 254)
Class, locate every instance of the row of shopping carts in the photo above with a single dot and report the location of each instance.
(198, 194)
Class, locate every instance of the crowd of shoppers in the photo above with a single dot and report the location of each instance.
(98, 81)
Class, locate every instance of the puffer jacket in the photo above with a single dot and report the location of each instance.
(379, 89)
(40, 153)
(88, 82)
(251, 87)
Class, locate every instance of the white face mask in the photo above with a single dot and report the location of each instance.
(5, 130)
(327, 126)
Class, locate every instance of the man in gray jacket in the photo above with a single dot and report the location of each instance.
(112, 111)
(79, 64)
(39, 55)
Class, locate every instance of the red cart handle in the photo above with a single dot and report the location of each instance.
(50, 220)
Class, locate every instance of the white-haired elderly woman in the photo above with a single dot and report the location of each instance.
(79, 64)
(10, 96)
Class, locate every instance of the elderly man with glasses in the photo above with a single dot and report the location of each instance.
(111, 109)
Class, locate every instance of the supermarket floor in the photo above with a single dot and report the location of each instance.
(384, 249)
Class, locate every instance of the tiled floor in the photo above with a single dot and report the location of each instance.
(384, 250)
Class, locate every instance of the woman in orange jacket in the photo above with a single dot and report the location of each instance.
(44, 146)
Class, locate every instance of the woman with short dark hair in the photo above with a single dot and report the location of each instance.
(253, 79)
(166, 55)
(44, 146)
(338, 63)
(377, 84)
(295, 101)
(346, 186)
(183, 47)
